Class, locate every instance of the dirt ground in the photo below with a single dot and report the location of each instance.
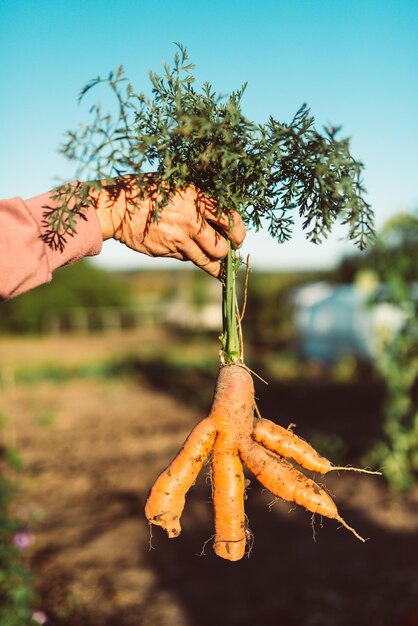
(91, 450)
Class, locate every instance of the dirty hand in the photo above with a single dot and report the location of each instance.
(183, 231)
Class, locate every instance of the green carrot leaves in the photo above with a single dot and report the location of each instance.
(266, 172)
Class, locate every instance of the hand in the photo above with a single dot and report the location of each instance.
(183, 231)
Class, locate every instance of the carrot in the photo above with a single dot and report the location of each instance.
(284, 481)
(284, 442)
(228, 502)
(235, 436)
(167, 497)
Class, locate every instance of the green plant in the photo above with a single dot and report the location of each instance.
(394, 258)
(266, 172)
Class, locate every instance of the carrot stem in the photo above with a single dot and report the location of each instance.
(247, 273)
(231, 340)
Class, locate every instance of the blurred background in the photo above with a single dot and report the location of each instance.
(104, 372)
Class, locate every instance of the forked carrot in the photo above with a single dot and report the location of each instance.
(235, 436)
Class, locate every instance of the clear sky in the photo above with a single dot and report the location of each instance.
(355, 62)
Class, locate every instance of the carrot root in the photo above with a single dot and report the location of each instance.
(284, 442)
(351, 529)
(166, 500)
(348, 468)
(286, 482)
(228, 501)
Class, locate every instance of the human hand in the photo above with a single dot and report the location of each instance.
(183, 231)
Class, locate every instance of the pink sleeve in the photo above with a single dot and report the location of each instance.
(25, 260)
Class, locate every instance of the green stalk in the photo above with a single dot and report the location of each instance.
(230, 339)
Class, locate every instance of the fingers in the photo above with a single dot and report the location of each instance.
(238, 231)
(188, 229)
(232, 225)
(210, 246)
(211, 242)
(196, 255)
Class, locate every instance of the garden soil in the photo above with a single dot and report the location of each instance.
(91, 449)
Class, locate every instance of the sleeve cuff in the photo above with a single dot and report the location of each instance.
(86, 241)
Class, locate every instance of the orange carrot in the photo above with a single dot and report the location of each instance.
(234, 436)
(166, 500)
(287, 444)
(228, 503)
(286, 482)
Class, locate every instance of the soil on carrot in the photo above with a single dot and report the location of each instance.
(91, 450)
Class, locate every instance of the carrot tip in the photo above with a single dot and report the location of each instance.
(170, 524)
(230, 550)
(355, 533)
(348, 468)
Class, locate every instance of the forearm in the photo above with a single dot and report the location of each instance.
(124, 212)
(26, 261)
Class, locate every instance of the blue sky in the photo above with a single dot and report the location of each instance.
(354, 62)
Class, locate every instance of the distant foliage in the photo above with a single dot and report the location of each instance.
(395, 260)
(266, 172)
(79, 286)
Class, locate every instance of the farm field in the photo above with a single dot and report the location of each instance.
(93, 442)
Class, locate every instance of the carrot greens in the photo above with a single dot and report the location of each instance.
(267, 172)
